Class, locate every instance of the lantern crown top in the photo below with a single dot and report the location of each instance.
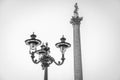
(33, 36)
(33, 40)
(63, 39)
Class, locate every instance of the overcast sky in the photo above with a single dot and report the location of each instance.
(50, 19)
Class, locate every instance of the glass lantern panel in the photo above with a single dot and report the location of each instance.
(32, 47)
(62, 49)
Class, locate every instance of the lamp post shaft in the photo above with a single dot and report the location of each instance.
(46, 74)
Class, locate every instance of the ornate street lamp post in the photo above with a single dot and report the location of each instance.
(44, 52)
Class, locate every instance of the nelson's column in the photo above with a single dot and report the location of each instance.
(75, 21)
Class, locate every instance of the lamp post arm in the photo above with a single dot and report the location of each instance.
(59, 62)
(34, 61)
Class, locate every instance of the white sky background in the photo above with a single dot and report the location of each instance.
(49, 19)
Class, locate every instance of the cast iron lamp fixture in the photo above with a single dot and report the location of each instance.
(44, 52)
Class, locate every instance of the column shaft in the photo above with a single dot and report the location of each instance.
(77, 53)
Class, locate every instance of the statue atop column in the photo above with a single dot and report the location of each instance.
(76, 19)
(76, 10)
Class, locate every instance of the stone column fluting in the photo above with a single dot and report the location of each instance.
(75, 21)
